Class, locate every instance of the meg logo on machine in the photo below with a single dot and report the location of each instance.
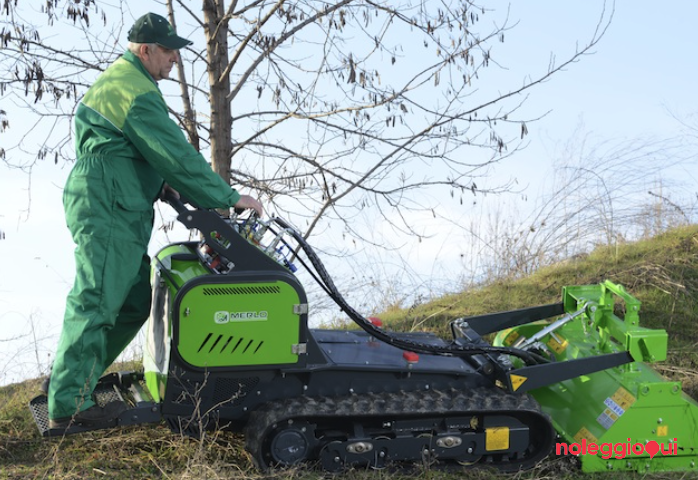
(227, 317)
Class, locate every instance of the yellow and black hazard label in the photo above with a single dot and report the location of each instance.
(516, 381)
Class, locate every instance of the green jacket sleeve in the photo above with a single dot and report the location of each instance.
(162, 143)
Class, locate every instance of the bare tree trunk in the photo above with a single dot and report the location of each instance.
(216, 25)
(189, 120)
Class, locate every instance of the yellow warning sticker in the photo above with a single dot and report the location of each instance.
(583, 433)
(511, 338)
(623, 398)
(496, 438)
(516, 381)
(663, 431)
(557, 346)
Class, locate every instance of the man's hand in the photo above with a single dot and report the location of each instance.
(167, 189)
(249, 202)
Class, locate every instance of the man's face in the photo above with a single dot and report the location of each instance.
(158, 60)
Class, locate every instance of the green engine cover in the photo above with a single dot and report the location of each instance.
(239, 322)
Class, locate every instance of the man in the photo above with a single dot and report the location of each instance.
(128, 151)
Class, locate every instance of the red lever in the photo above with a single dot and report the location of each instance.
(411, 357)
(377, 322)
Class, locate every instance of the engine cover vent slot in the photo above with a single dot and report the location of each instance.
(246, 290)
(229, 345)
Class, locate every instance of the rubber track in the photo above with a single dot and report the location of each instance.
(397, 406)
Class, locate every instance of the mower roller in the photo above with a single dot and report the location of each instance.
(228, 347)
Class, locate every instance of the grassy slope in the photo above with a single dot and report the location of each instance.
(662, 273)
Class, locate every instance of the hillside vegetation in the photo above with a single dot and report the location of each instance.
(661, 272)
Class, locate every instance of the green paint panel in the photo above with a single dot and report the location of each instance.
(156, 385)
(235, 324)
(181, 264)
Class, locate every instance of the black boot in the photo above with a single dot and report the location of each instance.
(93, 417)
(45, 384)
(47, 381)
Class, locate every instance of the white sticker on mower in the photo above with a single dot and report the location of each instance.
(228, 317)
(616, 405)
(609, 417)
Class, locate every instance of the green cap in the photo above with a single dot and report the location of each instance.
(152, 28)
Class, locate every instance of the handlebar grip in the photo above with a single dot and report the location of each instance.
(174, 202)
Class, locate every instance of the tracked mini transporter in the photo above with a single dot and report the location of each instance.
(228, 347)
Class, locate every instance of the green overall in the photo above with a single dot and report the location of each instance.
(127, 146)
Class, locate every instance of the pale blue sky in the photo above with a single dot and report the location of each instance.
(642, 69)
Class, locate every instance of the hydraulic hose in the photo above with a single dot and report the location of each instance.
(417, 347)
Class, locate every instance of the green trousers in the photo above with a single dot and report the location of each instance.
(110, 299)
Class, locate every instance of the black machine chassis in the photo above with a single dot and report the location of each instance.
(327, 407)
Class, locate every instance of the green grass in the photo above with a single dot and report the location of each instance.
(661, 272)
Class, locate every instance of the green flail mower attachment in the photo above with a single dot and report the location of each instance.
(624, 418)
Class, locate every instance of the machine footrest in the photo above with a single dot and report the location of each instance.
(126, 387)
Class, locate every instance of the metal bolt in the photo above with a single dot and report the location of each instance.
(470, 449)
(336, 459)
(381, 454)
(351, 390)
